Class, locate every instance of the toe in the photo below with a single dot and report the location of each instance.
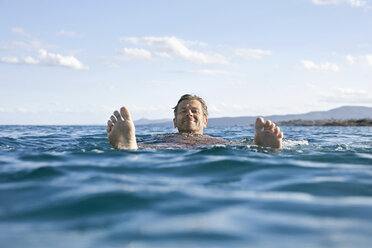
(272, 126)
(117, 115)
(267, 125)
(276, 130)
(113, 119)
(109, 126)
(280, 135)
(259, 123)
(125, 113)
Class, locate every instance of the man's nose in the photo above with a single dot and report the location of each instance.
(189, 112)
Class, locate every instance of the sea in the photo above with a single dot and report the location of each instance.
(64, 186)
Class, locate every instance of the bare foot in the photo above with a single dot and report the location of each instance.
(266, 134)
(121, 131)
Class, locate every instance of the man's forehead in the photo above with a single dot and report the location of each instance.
(190, 103)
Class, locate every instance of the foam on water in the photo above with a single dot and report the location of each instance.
(291, 143)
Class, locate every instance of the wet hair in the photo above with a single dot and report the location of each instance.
(192, 97)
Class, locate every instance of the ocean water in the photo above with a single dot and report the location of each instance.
(64, 186)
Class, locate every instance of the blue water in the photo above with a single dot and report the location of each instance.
(64, 186)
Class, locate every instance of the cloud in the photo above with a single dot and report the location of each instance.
(158, 83)
(347, 95)
(206, 72)
(65, 33)
(252, 53)
(133, 40)
(48, 59)
(20, 31)
(353, 3)
(363, 59)
(174, 47)
(31, 61)
(137, 53)
(325, 2)
(350, 59)
(111, 64)
(195, 43)
(234, 109)
(29, 45)
(237, 83)
(163, 54)
(9, 60)
(22, 109)
(358, 3)
(326, 66)
(127, 54)
(52, 59)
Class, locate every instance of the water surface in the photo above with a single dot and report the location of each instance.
(64, 186)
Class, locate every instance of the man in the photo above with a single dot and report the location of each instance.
(190, 118)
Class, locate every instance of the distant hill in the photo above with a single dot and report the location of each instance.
(341, 113)
(145, 121)
(329, 122)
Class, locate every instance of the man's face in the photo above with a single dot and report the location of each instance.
(190, 118)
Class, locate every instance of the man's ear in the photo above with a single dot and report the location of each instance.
(174, 122)
(205, 122)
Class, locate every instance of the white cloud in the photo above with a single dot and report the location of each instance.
(310, 86)
(158, 83)
(174, 47)
(133, 40)
(150, 111)
(31, 61)
(9, 60)
(206, 72)
(137, 53)
(111, 64)
(358, 3)
(22, 109)
(237, 83)
(20, 31)
(347, 96)
(364, 45)
(368, 59)
(111, 87)
(3, 110)
(127, 54)
(326, 66)
(350, 59)
(324, 2)
(252, 53)
(353, 3)
(195, 43)
(363, 59)
(163, 54)
(29, 45)
(49, 59)
(351, 91)
(234, 109)
(65, 33)
(59, 60)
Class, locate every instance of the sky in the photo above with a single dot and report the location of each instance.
(75, 62)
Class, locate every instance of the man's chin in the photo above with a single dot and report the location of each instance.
(189, 124)
(188, 128)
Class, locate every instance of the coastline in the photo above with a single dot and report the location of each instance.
(329, 122)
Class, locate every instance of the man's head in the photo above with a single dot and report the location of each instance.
(190, 114)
